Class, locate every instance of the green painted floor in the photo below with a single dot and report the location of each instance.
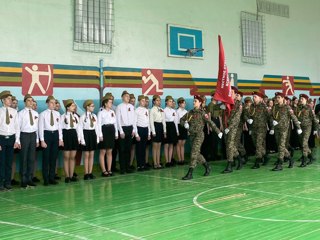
(247, 204)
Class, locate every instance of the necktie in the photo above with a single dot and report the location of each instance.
(31, 118)
(51, 119)
(91, 121)
(71, 121)
(7, 116)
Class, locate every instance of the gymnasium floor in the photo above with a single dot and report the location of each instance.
(247, 204)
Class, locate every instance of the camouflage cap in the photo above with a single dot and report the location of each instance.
(180, 100)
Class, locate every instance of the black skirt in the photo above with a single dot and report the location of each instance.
(70, 140)
(90, 137)
(159, 132)
(172, 137)
(108, 133)
(183, 132)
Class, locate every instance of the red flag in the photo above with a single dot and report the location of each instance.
(223, 89)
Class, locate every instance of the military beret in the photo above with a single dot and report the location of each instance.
(67, 102)
(240, 93)
(5, 94)
(49, 98)
(287, 98)
(235, 89)
(304, 96)
(199, 98)
(259, 94)
(279, 94)
(247, 99)
(26, 97)
(87, 103)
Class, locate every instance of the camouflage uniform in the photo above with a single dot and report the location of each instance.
(259, 127)
(239, 144)
(232, 125)
(307, 119)
(197, 118)
(282, 114)
(216, 114)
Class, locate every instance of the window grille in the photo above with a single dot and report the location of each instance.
(93, 25)
(253, 38)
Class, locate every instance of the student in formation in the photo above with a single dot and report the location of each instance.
(194, 121)
(171, 130)
(108, 133)
(9, 139)
(50, 139)
(28, 123)
(183, 132)
(71, 139)
(126, 124)
(89, 137)
(143, 132)
(158, 129)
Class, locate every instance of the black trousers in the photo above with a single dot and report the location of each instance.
(6, 156)
(141, 146)
(49, 155)
(27, 155)
(124, 149)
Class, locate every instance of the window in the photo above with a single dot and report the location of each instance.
(93, 25)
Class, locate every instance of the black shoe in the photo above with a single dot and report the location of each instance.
(228, 168)
(104, 174)
(110, 174)
(75, 175)
(24, 186)
(140, 169)
(2, 189)
(35, 179)
(188, 176)
(132, 167)
(168, 164)
(278, 167)
(73, 179)
(67, 180)
(14, 182)
(265, 160)
(130, 170)
(53, 182)
(303, 162)
(290, 163)
(56, 177)
(173, 162)
(45, 183)
(86, 177)
(256, 164)
(239, 162)
(91, 176)
(32, 184)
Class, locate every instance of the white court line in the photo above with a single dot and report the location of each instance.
(195, 201)
(305, 234)
(74, 219)
(43, 229)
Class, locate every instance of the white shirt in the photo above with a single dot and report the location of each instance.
(157, 115)
(44, 123)
(11, 128)
(107, 116)
(126, 116)
(142, 118)
(65, 122)
(171, 116)
(84, 124)
(25, 124)
(180, 113)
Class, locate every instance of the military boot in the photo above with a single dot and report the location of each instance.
(278, 167)
(228, 168)
(291, 162)
(311, 159)
(304, 162)
(256, 164)
(208, 169)
(239, 162)
(265, 160)
(189, 175)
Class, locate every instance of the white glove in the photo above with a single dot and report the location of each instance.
(250, 132)
(250, 121)
(222, 106)
(226, 130)
(299, 122)
(186, 125)
(299, 131)
(220, 135)
(315, 132)
(271, 132)
(275, 123)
